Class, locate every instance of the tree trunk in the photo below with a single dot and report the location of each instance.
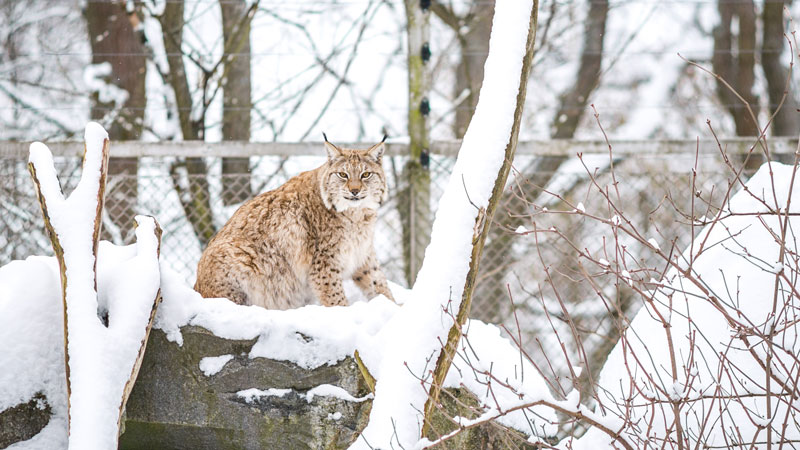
(469, 73)
(196, 200)
(414, 199)
(736, 65)
(236, 99)
(114, 40)
(787, 120)
(492, 303)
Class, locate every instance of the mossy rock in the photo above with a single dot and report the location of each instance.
(175, 406)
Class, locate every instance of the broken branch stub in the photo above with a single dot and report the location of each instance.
(102, 357)
(157, 232)
(48, 193)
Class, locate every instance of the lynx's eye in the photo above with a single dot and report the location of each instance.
(366, 175)
(342, 175)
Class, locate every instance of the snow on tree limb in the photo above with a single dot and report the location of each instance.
(481, 231)
(414, 337)
(105, 329)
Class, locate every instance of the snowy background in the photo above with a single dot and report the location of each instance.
(576, 278)
(645, 86)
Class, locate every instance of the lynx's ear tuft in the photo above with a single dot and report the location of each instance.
(332, 150)
(376, 151)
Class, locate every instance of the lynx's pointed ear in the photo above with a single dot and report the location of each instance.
(332, 150)
(376, 151)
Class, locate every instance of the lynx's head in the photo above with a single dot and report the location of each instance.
(353, 178)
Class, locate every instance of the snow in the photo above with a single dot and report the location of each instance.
(329, 390)
(32, 354)
(489, 352)
(31, 328)
(580, 207)
(323, 390)
(251, 395)
(413, 337)
(106, 92)
(211, 365)
(699, 361)
(310, 337)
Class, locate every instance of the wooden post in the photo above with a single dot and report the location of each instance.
(414, 204)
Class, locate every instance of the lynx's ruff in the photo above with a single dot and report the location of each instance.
(287, 247)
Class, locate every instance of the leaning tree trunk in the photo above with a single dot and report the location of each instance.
(482, 227)
(115, 40)
(236, 98)
(492, 295)
(193, 193)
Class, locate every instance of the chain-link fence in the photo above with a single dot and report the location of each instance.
(655, 191)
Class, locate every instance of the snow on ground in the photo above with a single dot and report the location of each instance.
(738, 269)
(31, 330)
(310, 337)
(32, 353)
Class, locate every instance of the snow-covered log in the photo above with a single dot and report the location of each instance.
(105, 330)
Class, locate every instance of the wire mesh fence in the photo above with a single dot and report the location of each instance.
(519, 267)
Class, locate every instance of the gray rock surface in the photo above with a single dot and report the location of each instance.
(175, 406)
(24, 421)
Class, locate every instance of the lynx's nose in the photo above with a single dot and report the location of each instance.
(354, 191)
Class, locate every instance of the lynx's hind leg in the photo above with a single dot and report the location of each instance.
(371, 279)
(217, 282)
(222, 289)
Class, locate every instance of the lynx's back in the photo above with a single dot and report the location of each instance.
(296, 244)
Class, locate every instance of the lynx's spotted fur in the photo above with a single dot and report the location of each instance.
(287, 247)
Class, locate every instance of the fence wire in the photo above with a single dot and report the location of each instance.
(513, 287)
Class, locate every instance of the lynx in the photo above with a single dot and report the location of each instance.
(287, 247)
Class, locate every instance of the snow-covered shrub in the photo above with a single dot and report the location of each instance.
(711, 357)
